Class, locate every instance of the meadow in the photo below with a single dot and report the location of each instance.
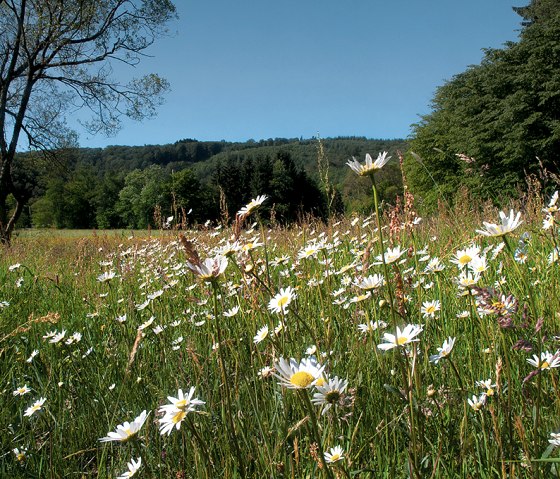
(388, 346)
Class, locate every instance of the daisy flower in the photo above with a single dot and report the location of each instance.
(371, 282)
(33, 354)
(298, 376)
(21, 390)
(554, 439)
(310, 251)
(182, 402)
(444, 351)
(133, 467)
(548, 222)
(228, 249)
(367, 328)
(370, 166)
(172, 419)
(210, 269)
(434, 266)
(479, 264)
(106, 276)
(231, 312)
(360, 298)
(281, 301)
(37, 406)
(21, 454)
(477, 403)
(466, 279)
(311, 350)
(58, 337)
(252, 205)
(488, 386)
(463, 257)
(127, 430)
(146, 324)
(330, 394)
(508, 224)
(407, 335)
(261, 335)
(547, 361)
(334, 454)
(553, 256)
(391, 255)
(265, 372)
(430, 308)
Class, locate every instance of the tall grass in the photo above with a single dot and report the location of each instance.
(481, 410)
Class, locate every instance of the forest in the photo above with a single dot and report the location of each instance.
(498, 122)
(196, 181)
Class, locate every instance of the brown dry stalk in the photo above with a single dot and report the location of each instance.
(52, 318)
(192, 255)
(139, 335)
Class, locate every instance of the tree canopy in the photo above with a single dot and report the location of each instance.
(498, 121)
(56, 56)
(194, 181)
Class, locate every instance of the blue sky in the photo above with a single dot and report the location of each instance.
(297, 68)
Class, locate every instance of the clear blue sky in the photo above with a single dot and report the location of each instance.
(297, 68)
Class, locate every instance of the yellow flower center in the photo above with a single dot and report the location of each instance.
(179, 417)
(301, 379)
(320, 382)
(545, 365)
(20, 456)
(402, 340)
(181, 404)
(430, 309)
(490, 392)
(465, 259)
(283, 301)
(335, 457)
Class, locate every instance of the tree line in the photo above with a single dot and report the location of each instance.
(496, 122)
(140, 187)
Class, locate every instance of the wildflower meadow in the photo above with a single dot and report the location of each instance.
(387, 346)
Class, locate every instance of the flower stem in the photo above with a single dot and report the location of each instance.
(315, 430)
(382, 251)
(226, 392)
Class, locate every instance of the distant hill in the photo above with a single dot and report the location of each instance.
(114, 172)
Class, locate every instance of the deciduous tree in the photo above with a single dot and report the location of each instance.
(56, 56)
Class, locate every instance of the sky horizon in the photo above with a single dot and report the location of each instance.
(259, 70)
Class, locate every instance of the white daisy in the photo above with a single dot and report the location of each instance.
(508, 224)
(334, 454)
(133, 467)
(444, 351)
(298, 376)
(282, 300)
(407, 335)
(262, 333)
(127, 430)
(370, 166)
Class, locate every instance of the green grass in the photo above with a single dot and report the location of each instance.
(401, 414)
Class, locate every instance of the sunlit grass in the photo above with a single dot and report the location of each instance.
(465, 383)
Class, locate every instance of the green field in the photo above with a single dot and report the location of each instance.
(437, 359)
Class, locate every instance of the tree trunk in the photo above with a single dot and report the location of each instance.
(7, 221)
(4, 234)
